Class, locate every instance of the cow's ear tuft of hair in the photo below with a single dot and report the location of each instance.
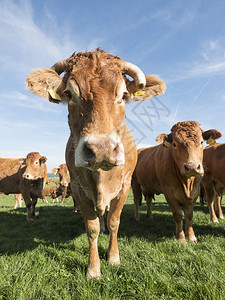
(154, 86)
(45, 83)
(55, 171)
(43, 159)
(211, 133)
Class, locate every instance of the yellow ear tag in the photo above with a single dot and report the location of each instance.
(139, 93)
(211, 141)
(166, 144)
(54, 95)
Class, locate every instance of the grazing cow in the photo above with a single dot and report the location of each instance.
(101, 152)
(174, 168)
(48, 191)
(26, 176)
(213, 181)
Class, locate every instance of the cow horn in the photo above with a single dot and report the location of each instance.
(136, 73)
(59, 67)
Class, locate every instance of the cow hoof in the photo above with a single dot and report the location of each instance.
(215, 220)
(193, 239)
(30, 220)
(115, 261)
(182, 241)
(93, 275)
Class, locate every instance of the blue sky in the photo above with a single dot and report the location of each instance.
(181, 41)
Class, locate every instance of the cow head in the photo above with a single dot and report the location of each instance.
(186, 142)
(64, 176)
(96, 87)
(35, 166)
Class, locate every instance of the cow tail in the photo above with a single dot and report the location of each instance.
(202, 196)
(136, 188)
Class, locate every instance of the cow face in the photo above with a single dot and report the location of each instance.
(96, 88)
(35, 166)
(64, 176)
(186, 143)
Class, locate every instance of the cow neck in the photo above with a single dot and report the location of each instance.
(188, 184)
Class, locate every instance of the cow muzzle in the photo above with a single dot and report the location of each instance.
(99, 152)
(28, 176)
(193, 169)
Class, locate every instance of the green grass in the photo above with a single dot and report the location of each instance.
(47, 259)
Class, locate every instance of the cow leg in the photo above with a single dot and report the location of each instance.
(218, 209)
(34, 202)
(210, 202)
(113, 221)
(178, 216)
(136, 188)
(75, 206)
(149, 206)
(92, 229)
(188, 212)
(102, 223)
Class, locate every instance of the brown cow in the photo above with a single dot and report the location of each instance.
(175, 169)
(214, 179)
(26, 176)
(64, 179)
(64, 184)
(101, 152)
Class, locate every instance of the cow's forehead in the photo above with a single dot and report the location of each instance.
(33, 156)
(95, 74)
(185, 132)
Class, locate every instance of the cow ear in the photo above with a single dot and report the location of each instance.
(154, 86)
(211, 136)
(55, 171)
(164, 139)
(45, 83)
(43, 159)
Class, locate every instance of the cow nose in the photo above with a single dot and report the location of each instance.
(27, 176)
(64, 183)
(193, 169)
(99, 152)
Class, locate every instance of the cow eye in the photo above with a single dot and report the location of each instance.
(68, 94)
(36, 163)
(174, 145)
(125, 95)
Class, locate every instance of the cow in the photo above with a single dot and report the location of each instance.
(64, 179)
(175, 169)
(213, 181)
(26, 176)
(64, 189)
(48, 191)
(18, 200)
(101, 152)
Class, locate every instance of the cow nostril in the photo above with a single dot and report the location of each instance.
(186, 168)
(199, 167)
(116, 150)
(88, 153)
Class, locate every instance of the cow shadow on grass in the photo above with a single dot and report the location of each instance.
(58, 226)
(162, 225)
(53, 225)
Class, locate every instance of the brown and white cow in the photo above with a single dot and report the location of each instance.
(64, 179)
(174, 168)
(101, 152)
(26, 176)
(213, 181)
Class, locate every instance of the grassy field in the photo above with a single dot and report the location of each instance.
(47, 259)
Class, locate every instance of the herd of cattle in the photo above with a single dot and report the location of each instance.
(101, 154)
